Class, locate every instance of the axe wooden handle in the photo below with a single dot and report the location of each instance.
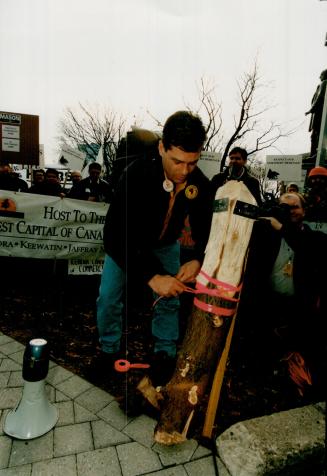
(217, 384)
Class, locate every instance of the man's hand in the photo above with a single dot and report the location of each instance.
(188, 271)
(273, 221)
(166, 286)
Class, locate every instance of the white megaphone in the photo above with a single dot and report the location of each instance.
(34, 415)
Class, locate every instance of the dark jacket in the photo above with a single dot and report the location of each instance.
(13, 183)
(251, 182)
(84, 189)
(137, 212)
(310, 261)
(47, 188)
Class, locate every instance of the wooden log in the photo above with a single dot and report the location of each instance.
(206, 333)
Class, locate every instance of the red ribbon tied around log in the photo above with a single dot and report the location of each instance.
(219, 291)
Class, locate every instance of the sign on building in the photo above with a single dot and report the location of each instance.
(285, 168)
(19, 138)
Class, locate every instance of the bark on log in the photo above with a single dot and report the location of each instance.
(206, 334)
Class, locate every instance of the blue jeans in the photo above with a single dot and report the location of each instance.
(165, 324)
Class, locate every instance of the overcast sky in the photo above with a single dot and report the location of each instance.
(140, 55)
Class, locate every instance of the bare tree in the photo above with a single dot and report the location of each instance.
(91, 129)
(211, 112)
(250, 121)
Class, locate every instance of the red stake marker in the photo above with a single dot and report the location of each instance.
(123, 365)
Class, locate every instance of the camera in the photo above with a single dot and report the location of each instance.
(280, 211)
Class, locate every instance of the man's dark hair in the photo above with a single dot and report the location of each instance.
(52, 171)
(239, 150)
(95, 166)
(184, 130)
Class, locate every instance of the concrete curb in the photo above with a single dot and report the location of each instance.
(285, 443)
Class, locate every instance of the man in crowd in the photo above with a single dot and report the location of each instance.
(237, 170)
(50, 185)
(92, 188)
(75, 177)
(284, 287)
(38, 176)
(9, 180)
(316, 196)
(292, 187)
(142, 228)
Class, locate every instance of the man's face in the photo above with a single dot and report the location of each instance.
(317, 182)
(236, 161)
(52, 178)
(291, 189)
(75, 177)
(38, 177)
(177, 163)
(297, 210)
(94, 174)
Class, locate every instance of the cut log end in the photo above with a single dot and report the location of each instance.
(173, 438)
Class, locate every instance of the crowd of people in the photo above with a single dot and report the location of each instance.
(283, 301)
(284, 282)
(47, 182)
(151, 202)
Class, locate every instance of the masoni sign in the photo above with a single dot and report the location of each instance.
(10, 118)
(19, 138)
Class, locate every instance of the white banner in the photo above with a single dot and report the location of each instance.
(39, 226)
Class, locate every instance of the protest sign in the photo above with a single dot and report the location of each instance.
(284, 167)
(85, 266)
(209, 163)
(39, 226)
